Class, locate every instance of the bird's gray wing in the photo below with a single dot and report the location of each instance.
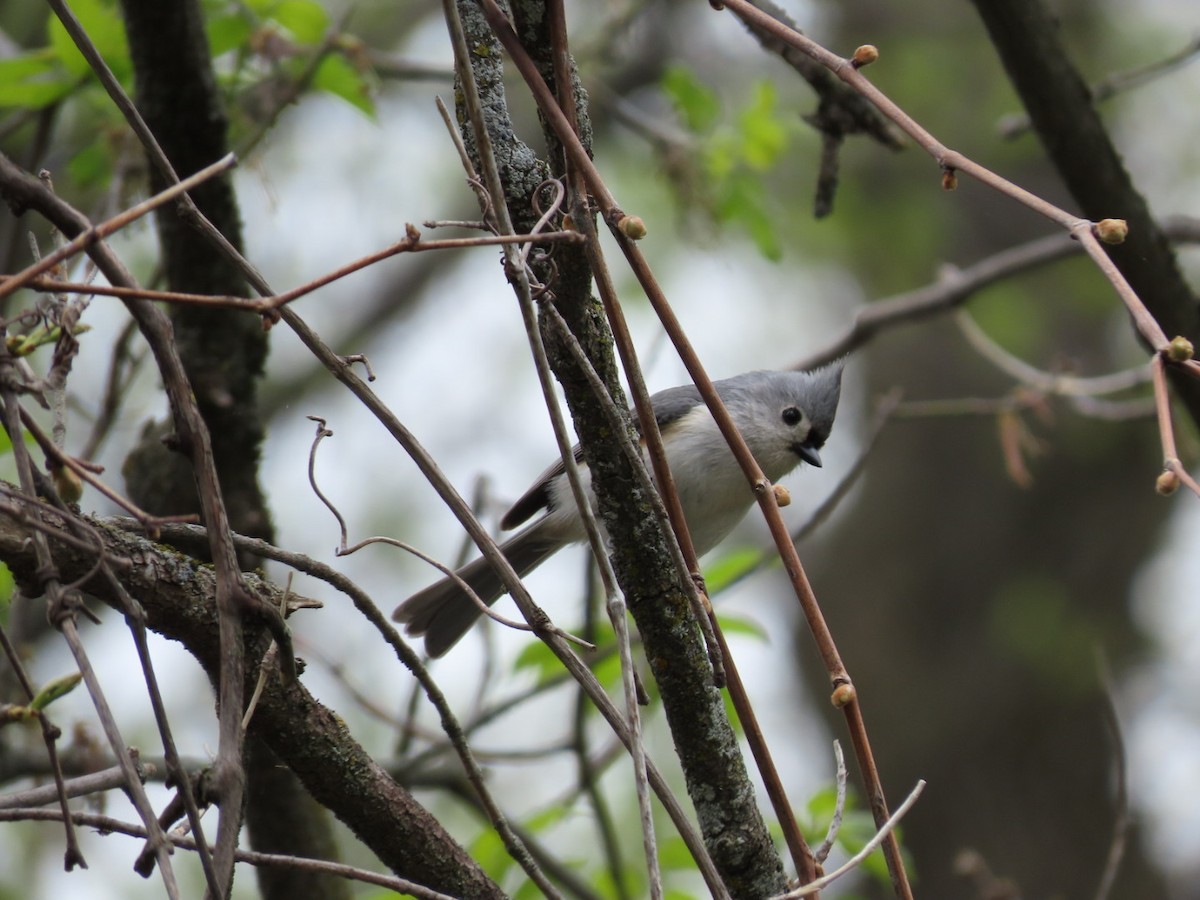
(669, 405)
(537, 498)
(674, 403)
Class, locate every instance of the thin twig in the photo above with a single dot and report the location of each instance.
(517, 267)
(82, 786)
(1147, 325)
(951, 162)
(413, 243)
(870, 847)
(109, 825)
(449, 722)
(578, 670)
(1166, 431)
(22, 511)
(123, 368)
(1123, 819)
(296, 86)
(86, 536)
(1046, 382)
(94, 234)
(615, 605)
(50, 735)
(1017, 124)
(839, 807)
(61, 606)
(230, 590)
(85, 473)
(956, 286)
(613, 215)
(450, 573)
(588, 782)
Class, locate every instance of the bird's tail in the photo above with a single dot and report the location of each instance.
(443, 612)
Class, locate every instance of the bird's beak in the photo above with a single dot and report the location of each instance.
(809, 455)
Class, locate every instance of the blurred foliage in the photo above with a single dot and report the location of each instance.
(733, 155)
(45, 75)
(52, 690)
(266, 54)
(1033, 620)
(7, 586)
(855, 831)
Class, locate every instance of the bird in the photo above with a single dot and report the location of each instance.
(785, 418)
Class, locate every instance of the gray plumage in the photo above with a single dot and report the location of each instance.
(785, 418)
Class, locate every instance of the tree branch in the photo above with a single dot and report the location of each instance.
(1027, 37)
(313, 741)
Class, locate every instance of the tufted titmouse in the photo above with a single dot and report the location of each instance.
(785, 417)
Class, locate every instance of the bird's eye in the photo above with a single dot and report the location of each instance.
(792, 416)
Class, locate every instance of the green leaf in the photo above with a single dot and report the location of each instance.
(91, 166)
(227, 33)
(489, 851)
(744, 202)
(336, 76)
(104, 28)
(731, 714)
(40, 336)
(858, 827)
(538, 659)
(735, 163)
(305, 19)
(730, 567)
(33, 80)
(822, 804)
(721, 157)
(731, 623)
(673, 853)
(607, 670)
(541, 661)
(263, 8)
(6, 580)
(551, 815)
(7, 583)
(54, 689)
(695, 102)
(764, 137)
